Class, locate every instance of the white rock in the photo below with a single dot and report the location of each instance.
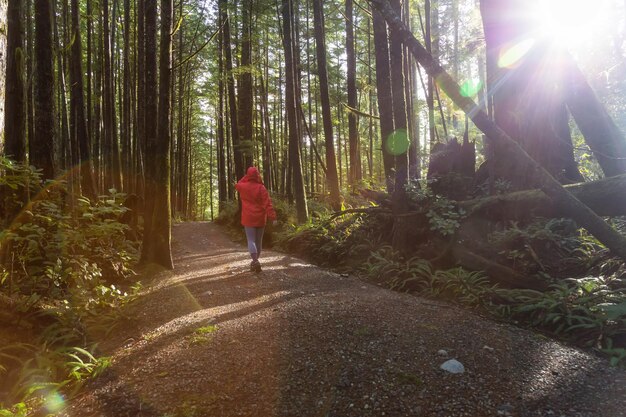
(453, 366)
(442, 352)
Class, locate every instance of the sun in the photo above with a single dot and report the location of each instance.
(569, 22)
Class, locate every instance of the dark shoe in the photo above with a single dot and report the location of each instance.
(255, 266)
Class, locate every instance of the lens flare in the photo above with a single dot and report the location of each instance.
(470, 88)
(54, 402)
(398, 142)
(510, 56)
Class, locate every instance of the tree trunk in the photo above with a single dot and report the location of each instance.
(430, 92)
(151, 108)
(245, 84)
(410, 95)
(401, 139)
(15, 98)
(582, 214)
(221, 136)
(65, 150)
(79, 128)
(601, 133)
(30, 59)
(113, 176)
(127, 154)
(15, 102)
(240, 169)
(292, 115)
(384, 96)
(89, 70)
(353, 128)
(141, 95)
(322, 70)
(42, 144)
(159, 250)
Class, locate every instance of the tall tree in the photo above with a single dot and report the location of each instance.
(430, 92)
(384, 96)
(221, 134)
(15, 98)
(78, 120)
(126, 135)
(41, 146)
(401, 134)
(353, 128)
(292, 106)
(322, 71)
(140, 160)
(159, 249)
(113, 177)
(245, 84)
(150, 129)
(230, 85)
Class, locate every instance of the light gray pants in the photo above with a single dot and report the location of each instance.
(255, 241)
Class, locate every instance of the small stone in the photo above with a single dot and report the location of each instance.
(442, 352)
(505, 409)
(489, 348)
(453, 366)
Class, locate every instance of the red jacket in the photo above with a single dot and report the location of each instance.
(256, 205)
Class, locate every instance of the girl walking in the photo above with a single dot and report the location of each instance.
(256, 208)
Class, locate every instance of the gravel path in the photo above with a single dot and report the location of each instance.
(211, 339)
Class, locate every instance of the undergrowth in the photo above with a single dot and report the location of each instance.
(65, 271)
(588, 312)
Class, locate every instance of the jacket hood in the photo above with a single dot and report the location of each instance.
(252, 175)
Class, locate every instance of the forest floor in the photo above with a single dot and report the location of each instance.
(212, 339)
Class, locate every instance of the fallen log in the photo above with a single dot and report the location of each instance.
(606, 197)
(497, 273)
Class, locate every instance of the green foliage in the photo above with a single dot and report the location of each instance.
(64, 262)
(442, 214)
(46, 372)
(553, 246)
(54, 251)
(338, 241)
(418, 275)
(589, 312)
(18, 410)
(203, 334)
(16, 178)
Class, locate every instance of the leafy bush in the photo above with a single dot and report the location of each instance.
(64, 261)
(53, 251)
(338, 241)
(587, 312)
(417, 275)
(442, 214)
(553, 246)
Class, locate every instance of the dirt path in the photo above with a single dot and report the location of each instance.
(297, 340)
